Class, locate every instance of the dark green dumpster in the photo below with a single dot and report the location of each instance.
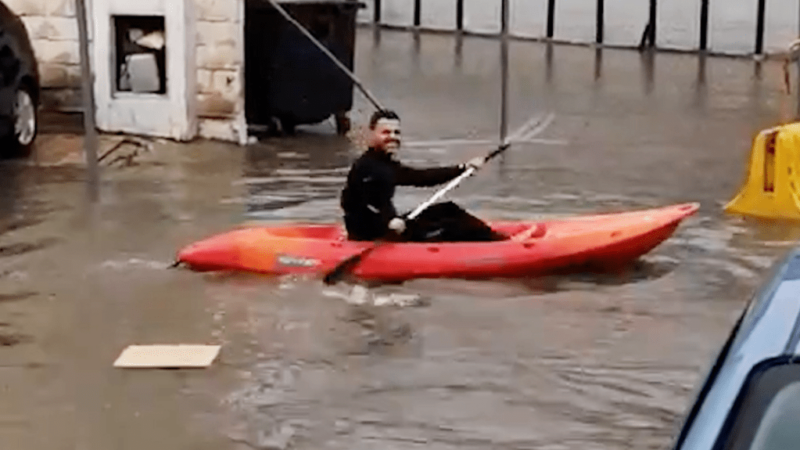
(289, 81)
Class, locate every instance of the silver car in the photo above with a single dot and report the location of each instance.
(751, 396)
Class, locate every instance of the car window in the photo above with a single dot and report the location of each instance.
(779, 428)
(767, 417)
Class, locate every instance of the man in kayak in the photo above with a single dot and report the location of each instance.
(369, 213)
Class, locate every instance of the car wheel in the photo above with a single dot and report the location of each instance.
(26, 122)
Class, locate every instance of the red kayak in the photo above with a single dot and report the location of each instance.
(603, 240)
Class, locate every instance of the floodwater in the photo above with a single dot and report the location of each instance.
(578, 362)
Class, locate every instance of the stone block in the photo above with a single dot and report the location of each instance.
(218, 10)
(227, 84)
(61, 99)
(27, 7)
(223, 130)
(65, 52)
(62, 8)
(215, 106)
(52, 28)
(60, 75)
(218, 57)
(53, 8)
(218, 33)
(204, 81)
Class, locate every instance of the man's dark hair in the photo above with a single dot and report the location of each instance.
(382, 114)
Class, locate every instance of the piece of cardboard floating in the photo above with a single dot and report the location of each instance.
(167, 356)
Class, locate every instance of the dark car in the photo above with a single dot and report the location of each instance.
(750, 398)
(19, 86)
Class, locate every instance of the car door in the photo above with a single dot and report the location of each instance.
(9, 69)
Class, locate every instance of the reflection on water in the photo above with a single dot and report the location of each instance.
(598, 64)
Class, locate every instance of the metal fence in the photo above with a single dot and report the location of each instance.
(648, 36)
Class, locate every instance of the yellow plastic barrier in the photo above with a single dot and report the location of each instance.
(772, 187)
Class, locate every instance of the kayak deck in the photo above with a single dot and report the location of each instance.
(533, 247)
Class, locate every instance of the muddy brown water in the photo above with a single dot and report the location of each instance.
(572, 362)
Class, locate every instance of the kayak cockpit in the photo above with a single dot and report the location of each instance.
(512, 231)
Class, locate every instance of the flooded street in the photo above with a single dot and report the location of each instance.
(578, 362)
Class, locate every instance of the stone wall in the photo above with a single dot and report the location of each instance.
(53, 29)
(220, 50)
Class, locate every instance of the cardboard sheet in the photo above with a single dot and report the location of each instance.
(167, 356)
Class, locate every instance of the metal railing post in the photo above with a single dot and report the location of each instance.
(460, 15)
(704, 6)
(376, 12)
(760, 19)
(600, 24)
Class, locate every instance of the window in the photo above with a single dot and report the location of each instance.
(767, 415)
(779, 428)
(140, 47)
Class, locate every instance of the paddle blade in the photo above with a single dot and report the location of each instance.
(344, 267)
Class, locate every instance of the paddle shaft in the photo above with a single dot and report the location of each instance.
(452, 184)
(330, 55)
(467, 173)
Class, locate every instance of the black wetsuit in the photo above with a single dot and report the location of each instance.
(368, 208)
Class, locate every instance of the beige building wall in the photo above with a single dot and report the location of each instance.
(220, 48)
(220, 69)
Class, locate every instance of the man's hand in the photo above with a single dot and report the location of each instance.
(397, 225)
(476, 162)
